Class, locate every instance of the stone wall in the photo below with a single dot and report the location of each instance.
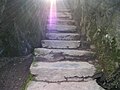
(22, 25)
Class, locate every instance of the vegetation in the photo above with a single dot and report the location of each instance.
(22, 24)
(100, 22)
(30, 78)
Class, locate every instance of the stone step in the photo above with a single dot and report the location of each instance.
(60, 71)
(61, 15)
(64, 10)
(61, 22)
(53, 55)
(91, 85)
(64, 15)
(61, 28)
(61, 44)
(63, 36)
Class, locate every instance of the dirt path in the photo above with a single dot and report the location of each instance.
(14, 74)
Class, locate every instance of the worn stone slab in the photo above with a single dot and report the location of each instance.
(62, 15)
(64, 10)
(62, 21)
(59, 71)
(61, 44)
(91, 85)
(44, 51)
(61, 28)
(62, 36)
(43, 54)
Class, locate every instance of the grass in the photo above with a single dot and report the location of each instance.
(30, 78)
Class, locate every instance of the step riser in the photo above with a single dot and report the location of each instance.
(53, 58)
(61, 22)
(62, 55)
(64, 17)
(56, 44)
(44, 51)
(61, 28)
(61, 31)
(64, 11)
(54, 36)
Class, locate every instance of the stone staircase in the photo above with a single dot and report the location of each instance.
(61, 63)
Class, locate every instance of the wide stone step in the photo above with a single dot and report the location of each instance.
(61, 22)
(63, 36)
(61, 28)
(60, 71)
(91, 85)
(64, 10)
(62, 15)
(48, 55)
(61, 44)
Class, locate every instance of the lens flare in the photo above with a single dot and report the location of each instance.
(53, 13)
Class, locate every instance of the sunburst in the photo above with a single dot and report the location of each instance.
(53, 13)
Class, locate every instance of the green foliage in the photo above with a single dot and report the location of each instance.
(104, 37)
(22, 25)
(30, 78)
(100, 20)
